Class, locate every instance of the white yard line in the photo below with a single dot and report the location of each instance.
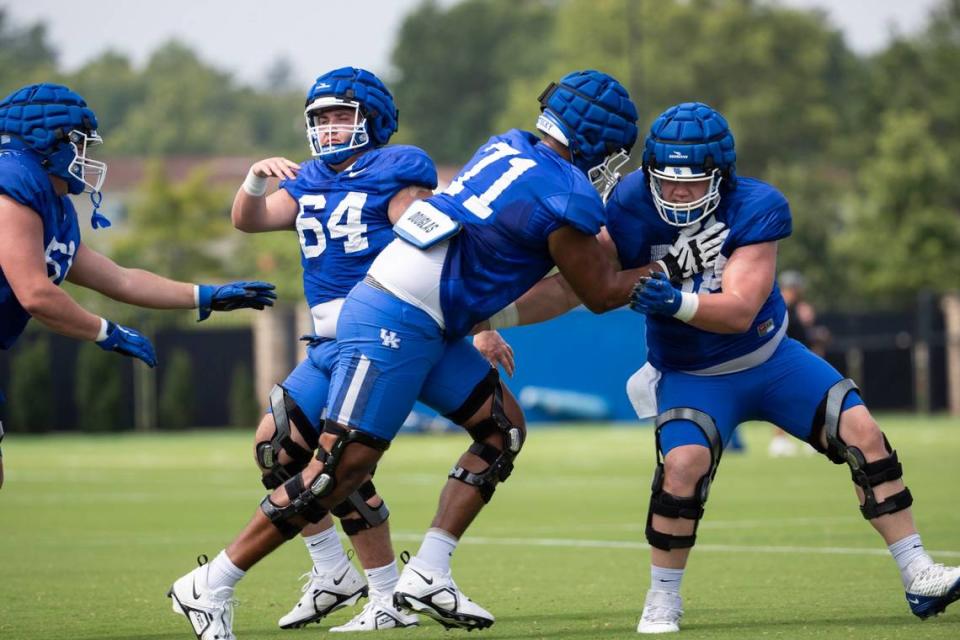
(634, 544)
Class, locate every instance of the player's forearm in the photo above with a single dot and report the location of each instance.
(55, 309)
(147, 289)
(549, 298)
(249, 213)
(612, 291)
(723, 313)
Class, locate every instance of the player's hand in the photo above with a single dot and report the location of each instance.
(693, 251)
(655, 294)
(129, 342)
(496, 350)
(276, 168)
(234, 295)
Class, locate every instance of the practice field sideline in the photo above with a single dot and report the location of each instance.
(93, 530)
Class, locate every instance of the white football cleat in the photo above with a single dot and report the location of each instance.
(933, 589)
(210, 611)
(324, 593)
(422, 590)
(379, 614)
(661, 612)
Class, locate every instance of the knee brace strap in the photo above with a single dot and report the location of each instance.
(357, 503)
(868, 475)
(670, 506)
(331, 459)
(304, 502)
(499, 461)
(483, 390)
(865, 475)
(268, 453)
(832, 408)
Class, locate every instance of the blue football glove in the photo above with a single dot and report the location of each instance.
(234, 295)
(655, 294)
(129, 342)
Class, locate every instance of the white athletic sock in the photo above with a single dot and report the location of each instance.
(437, 549)
(662, 579)
(383, 579)
(910, 556)
(325, 550)
(223, 573)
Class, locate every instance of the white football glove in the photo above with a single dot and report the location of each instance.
(693, 251)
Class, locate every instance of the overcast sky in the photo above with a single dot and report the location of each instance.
(246, 36)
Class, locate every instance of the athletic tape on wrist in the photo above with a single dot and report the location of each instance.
(102, 335)
(689, 303)
(254, 185)
(509, 316)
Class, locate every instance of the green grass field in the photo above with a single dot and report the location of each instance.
(93, 530)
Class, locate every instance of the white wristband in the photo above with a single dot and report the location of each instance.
(196, 296)
(103, 331)
(509, 316)
(254, 185)
(689, 303)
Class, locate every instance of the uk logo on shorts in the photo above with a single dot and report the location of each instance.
(389, 339)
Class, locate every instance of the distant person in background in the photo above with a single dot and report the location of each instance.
(46, 135)
(803, 328)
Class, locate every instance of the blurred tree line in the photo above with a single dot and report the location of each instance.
(865, 147)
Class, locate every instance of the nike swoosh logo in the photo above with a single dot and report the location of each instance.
(196, 596)
(662, 580)
(354, 174)
(422, 577)
(912, 601)
(337, 581)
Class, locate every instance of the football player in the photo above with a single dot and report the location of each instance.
(342, 204)
(519, 206)
(719, 355)
(47, 133)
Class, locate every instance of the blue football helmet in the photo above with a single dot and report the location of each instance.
(689, 142)
(592, 114)
(56, 125)
(375, 114)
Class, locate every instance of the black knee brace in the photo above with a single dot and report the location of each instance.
(865, 475)
(305, 501)
(357, 503)
(671, 506)
(268, 453)
(499, 461)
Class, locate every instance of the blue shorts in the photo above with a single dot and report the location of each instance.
(309, 383)
(391, 354)
(786, 390)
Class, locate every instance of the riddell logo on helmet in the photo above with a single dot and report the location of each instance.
(677, 155)
(323, 85)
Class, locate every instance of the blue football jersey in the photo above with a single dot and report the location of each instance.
(509, 198)
(23, 179)
(343, 222)
(754, 212)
